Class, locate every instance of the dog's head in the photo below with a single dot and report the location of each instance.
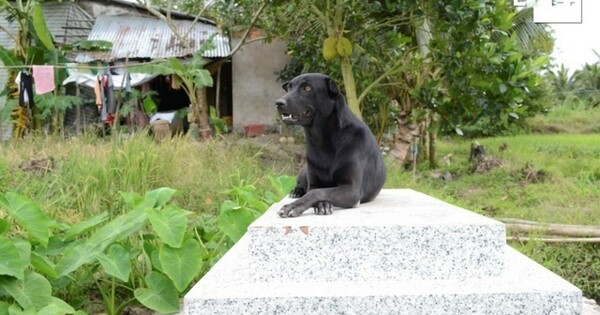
(308, 96)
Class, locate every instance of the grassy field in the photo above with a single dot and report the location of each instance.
(80, 177)
(568, 191)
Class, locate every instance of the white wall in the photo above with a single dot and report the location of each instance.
(254, 84)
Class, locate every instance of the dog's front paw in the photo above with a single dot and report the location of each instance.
(291, 210)
(323, 208)
(297, 192)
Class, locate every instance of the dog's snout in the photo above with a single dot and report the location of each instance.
(280, 102)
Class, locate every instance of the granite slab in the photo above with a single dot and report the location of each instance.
(523, 287)
(402, 234)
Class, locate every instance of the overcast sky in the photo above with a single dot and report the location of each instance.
(575, 42)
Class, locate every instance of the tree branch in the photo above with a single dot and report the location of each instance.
(167, 19)
(394, 69)
(248, 30)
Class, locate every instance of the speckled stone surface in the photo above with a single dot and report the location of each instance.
(524, 287)
(400, 254)
(402, 234)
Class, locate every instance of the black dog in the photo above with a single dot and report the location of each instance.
(345, 166)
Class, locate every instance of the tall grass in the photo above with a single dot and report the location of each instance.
(572, 115)
(88, 173)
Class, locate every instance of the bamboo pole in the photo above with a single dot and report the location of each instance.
(552, 228)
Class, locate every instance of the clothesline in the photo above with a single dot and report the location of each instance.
(81, 66)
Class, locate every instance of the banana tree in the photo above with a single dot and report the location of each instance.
(33, 44)
(194, 79)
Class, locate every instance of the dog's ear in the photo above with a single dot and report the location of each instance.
(332, 87)
(285, 86)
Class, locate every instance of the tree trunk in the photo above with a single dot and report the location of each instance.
(432, 140)
(350, 87)
(202, 118)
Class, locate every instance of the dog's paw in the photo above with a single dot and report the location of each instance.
(290, 210)
(297, 192)
(323, 208)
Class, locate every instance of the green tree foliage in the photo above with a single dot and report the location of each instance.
(487, 85)
(476, 72)
(586, 84)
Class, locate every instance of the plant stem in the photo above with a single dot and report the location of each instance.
(350, 87)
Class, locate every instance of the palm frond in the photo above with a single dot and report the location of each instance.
(531, 35)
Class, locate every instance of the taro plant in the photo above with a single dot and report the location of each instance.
(150, 254)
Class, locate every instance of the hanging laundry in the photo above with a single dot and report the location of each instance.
(25, 86)
(105, 97)
(43, 77)
(98, 93)
(109, 93)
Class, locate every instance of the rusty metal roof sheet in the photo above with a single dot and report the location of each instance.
(135, 37)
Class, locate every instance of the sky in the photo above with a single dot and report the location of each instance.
(575, 43)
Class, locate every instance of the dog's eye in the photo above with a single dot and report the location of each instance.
(307, 88)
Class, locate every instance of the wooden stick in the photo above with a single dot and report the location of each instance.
(556, 239)
(552, 229)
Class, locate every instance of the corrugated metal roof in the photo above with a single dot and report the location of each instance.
(147, 37)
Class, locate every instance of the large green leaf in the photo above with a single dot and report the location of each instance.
(29, 216)
(85, 225)
(77, 254)
(40, 27)
(116, 262)
(3, 226)
(44, 265)
(24, 248)
(119, 228)
(57, 306)
(202, 78)
(176, 65)
(152, 253)
(169, 223)
(4, 308)
(132, 199)
(34, 291)
(9, 58)
(80, 253)
(10, 259)
(88, 45)
(158, 197)
(161, 295)
(234, 220)
(183, 264)
(161, 68)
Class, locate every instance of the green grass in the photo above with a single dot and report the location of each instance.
(89, 173)
(569, 193)
(572, 116)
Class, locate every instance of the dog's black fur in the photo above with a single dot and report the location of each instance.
(344, 166)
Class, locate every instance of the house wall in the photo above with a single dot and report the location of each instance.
(254, 84)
